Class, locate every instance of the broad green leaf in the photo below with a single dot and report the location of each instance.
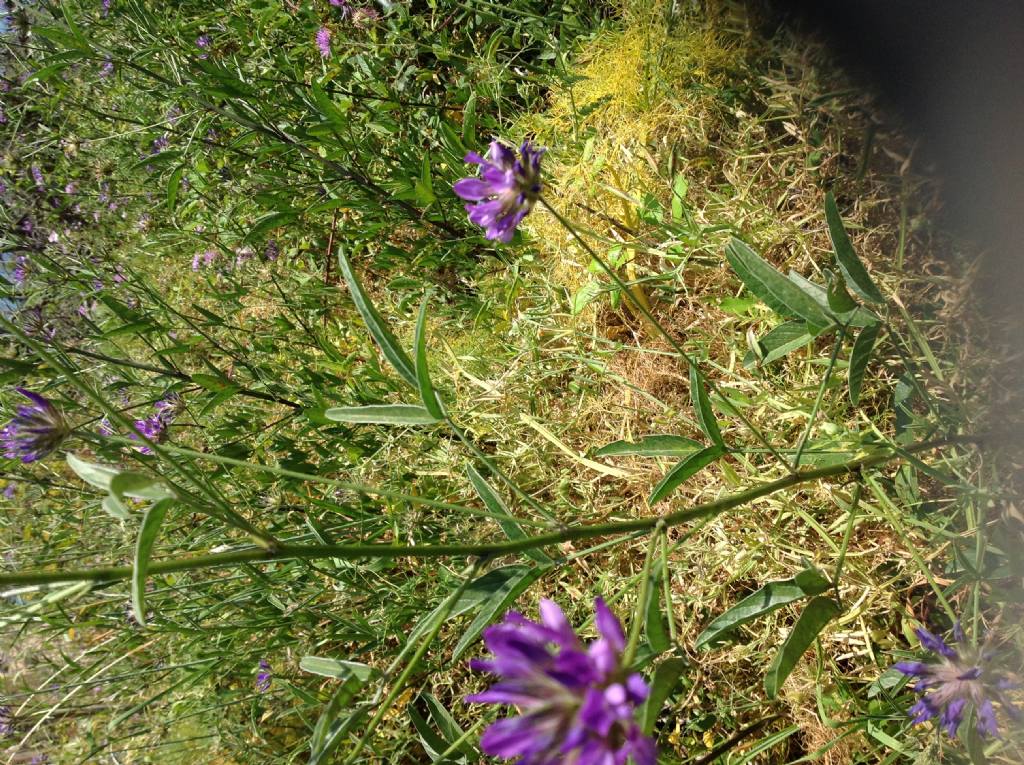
(856, 275)
(651, 446)
(426, 387)
(99, 476)
(666, 677)
(496, 506)
(382, 414)
(702, 408)
(863, 347)
(148, 531)
(339, 669)
(816, 614)
(771, 597)
(778, 292)
(496, 605)
(682, 471)
(378, 328)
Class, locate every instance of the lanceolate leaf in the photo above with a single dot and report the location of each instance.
(819, 612)
(781, 340)
(148, 532)
(856, 275)
(686, 468)
(858, 317)
(702, 408)
(651, 446)
(382, 414)
(496, 506)
(771, 597)
(339, 669)
(863, 347)
(778, 292)
(378, 328)
(426, 387)
(665, 679)
(496, 605)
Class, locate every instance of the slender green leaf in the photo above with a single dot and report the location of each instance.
(339, 669)
(426, 387)
(382, 414)
(497, 507)
(683, 470)
(856, 275)
(778, 292)
(780, 341)
(702, 408)
(666, 677)
(816, 614)
(497, 604)
(378, 328)
(445, 722)
(839, 299)
(173, 184)
(771, 597)
(651, 446)
(858, 317)
(654, 620)
(863, 347)
(148, 532)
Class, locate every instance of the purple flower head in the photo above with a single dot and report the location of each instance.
(10, 490)
(37, 177)
(36, 429)
(506, 190)
(3, 187)
(323, 41)
(107, 69)
(272, 251)
(3, 116)
(153, 428)
(70, 187)
(6, 721)
(169, 407)
(105, 428)
(106, 8)
(576, 703)
(26, 226)
(263, 677)
(20, 272)
(962, 677)
(161, 143)
(203, 41)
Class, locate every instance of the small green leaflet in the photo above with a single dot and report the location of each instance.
(856, 275)
(427, 394)
(666, 677)
(818, 613)
(148, 532)
(655, 445)
(863, 347)
(702, 408)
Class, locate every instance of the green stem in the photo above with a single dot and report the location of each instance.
(413, 664)
(628, 294)
(666, 583)
(820, 397)
(355, 551)
(641, 603)
(857, 489)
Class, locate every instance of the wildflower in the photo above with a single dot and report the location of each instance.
(20, 272)
(323, 41)
(209, 256)
(53, 237)
(107, 69)
(576, 703)
(26, 225)
(106, 8)
(3, 116)
(203, 43)
(36, 429)
(195, 262)
(6, 721)
(506, 190)
(271, 252)
(10, 490)
(153, 428)
(105, 428)
(961, 677)
(70, 187)
(169, 407)
(37, 177)
(161, 143)
(3, 187)
(263, 678)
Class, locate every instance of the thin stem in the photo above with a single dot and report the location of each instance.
(666, 583)
(355, 551)
(641, 603)
(820, 397)
(857, 489)
(628, 294)
(413, 664)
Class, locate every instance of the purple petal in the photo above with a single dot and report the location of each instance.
(934, 643)
(609, 626)
(913, 668)
(953, 715)
(472, 189)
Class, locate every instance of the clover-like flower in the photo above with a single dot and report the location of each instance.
(962, 677)
(576, 703)
(506, 190)
(264, 676)
(35, 430)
